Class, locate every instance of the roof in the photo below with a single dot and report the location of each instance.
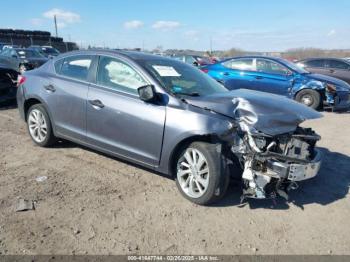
(134, 55)
(327, 58)
(257, 56)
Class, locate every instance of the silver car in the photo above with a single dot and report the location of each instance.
(170, 117)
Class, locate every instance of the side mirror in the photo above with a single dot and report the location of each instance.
(195, 64)
(147, 93)
(289, 73)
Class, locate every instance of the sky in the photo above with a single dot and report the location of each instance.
(253, 25)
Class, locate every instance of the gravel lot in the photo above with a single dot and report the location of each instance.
(95, 204)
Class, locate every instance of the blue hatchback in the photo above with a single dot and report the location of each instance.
(279, 76)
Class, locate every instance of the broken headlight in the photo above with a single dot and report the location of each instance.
(331, 88)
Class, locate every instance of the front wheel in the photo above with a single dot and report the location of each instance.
(310, 98)
(200, 173)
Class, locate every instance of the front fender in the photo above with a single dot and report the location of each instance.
(195, 122)
(307, 84)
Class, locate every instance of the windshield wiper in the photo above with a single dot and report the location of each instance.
(187, 94)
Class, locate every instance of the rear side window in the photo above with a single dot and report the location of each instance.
(337, 64)
(58, 65)
(319, 63)
(240, 64)
(76, 67)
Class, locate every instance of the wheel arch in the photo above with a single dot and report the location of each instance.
(320, 90)
(209, 138)
(33, 101)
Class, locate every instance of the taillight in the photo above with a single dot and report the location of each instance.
(205, 70)
(20, 80)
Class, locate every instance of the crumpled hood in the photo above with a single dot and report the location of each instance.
(257, 111)
(340, 84)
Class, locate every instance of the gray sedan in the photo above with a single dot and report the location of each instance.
(170, 117)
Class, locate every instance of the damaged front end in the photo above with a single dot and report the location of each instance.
(273, 164)
(273, 150)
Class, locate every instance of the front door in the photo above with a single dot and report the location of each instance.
(273, 77)
(117, 120)
(338, 69)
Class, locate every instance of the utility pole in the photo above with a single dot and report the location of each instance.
(54, 17)
(211, 46)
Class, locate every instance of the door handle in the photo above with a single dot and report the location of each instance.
(258, 77)
(50, 88)
(226, 73)
(96, 104)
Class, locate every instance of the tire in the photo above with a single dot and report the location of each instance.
(309, 97)
(39, 126)
(195, 184)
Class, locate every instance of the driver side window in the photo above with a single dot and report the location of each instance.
(270, 67)
(118, 75)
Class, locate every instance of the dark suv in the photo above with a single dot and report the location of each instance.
(336, 67)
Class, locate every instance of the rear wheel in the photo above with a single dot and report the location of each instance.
(310, 98)
(39, 126)
(200, 174)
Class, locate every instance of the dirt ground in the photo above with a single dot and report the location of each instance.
(95, 204)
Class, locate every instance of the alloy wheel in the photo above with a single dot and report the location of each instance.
(193, 173)
(37, 125)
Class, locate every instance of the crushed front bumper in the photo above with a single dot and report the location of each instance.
(272, 167)
(299, 172)
(341, 102)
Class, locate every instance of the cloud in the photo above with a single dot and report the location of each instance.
(134, 24)
(166, 25)
(63, 17)
(331, 33)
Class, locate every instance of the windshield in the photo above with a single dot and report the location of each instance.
(295, 67)
(203, 60)
(50, 50)
(179, 78)
(28, 53)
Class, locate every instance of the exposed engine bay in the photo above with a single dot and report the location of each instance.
(273, 164)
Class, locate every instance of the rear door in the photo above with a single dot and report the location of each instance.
(66, 95)
(338, 69)
(117, 120)
(238, 73)
(273, 77)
